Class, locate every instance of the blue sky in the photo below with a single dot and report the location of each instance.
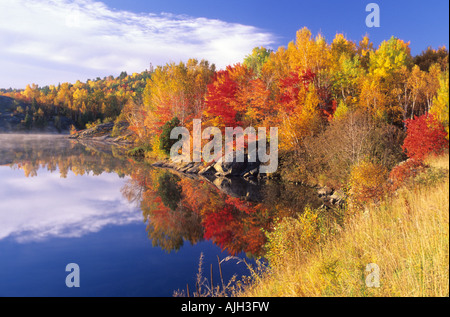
(423, 23)
(52, 41)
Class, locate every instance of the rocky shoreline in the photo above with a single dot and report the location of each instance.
(104, 133)
(241, 179)
(237, 179)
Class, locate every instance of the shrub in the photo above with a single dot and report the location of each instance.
(403, 172)
(292, 235)
(425, 136)
(73, 130)
(367, 182)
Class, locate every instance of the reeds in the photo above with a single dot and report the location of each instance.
(205, 287)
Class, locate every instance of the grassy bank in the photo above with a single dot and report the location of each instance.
(406, 236)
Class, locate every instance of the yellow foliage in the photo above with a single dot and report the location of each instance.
(440, 107)
(299, 234)
(367, 182)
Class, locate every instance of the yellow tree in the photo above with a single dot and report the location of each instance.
(345, 70)
(373, 97)
(364, 49)
(379, 86)
(303, 122)
(308, 53)
(433, 82)
(416, 84)
(389, 57)
(440, 104)
(32, 92)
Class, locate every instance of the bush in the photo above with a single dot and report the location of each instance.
(425, 136)
(367, 182)
(293, 235)
(73, 130)
(403, 172)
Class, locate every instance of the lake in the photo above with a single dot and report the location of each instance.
(133, 230)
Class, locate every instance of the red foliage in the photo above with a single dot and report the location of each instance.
(329, 111)
(220, 226)
(219, 97)
(425, 135)
(290, 88)
(307, 77)
(404, 171)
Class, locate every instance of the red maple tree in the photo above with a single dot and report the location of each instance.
(425, 135)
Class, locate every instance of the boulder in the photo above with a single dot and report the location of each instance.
(238, 187)
(324, 191)
(208, 170)
(234, 168)
(338, 197)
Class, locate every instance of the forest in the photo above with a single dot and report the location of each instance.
(347, 112)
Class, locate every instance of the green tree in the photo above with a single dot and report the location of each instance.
(165, 142)
(28, 121)
(169, 190)
(390, 57)
(256, 60)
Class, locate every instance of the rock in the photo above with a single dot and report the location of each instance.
(238, 187)
(251, 173)
(324, 191)
(208, 170)
(185, 166)
(234, 168)
(338, 197)
(194, 169)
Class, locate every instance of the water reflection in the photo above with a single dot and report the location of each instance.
(179, 209)
(60, 196)
(231, 213)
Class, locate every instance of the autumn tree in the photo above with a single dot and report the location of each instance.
(440, 106)
(431, 56)
(256, 60)
(425, 136)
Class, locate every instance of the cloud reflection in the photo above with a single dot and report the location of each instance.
(37, 208)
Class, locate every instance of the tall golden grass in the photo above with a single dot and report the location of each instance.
(406, 235)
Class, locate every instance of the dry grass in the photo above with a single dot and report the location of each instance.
(407, 236)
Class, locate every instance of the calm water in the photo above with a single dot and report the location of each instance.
(133, 230)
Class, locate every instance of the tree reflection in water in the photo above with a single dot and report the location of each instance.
(179, 208)
(231, 213)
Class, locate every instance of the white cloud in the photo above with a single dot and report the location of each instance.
(50, 41)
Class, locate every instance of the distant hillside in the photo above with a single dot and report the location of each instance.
(14, 118)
